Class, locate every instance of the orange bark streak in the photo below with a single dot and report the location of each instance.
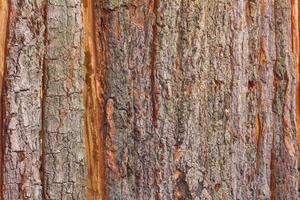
(94, 106)
(4, 12)
(258, 129)
(4, 22)
(296, 51)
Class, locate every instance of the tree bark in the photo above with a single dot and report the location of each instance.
(149, 99)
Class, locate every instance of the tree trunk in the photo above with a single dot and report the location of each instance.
(149, 99)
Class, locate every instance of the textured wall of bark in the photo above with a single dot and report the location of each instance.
(149, 99)
(64, 168)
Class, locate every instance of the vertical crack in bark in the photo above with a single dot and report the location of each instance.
(94, 94)
(296, 50)
(4, 23)
(154, 97)
(177, 154)
(43, 96)
(273, 175)
(273, 172)
(258, 129)
(258, 138)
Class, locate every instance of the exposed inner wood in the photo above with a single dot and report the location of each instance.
(4, 11)
(94, 106)
(296, 50)
(258, 129)
(4, 19)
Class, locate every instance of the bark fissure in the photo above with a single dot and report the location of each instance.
(181, 190)
(154, 87)
(272, 161)
(43, 102)
(273, 172)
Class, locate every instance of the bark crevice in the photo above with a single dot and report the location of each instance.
(154, 87)
(43, 101)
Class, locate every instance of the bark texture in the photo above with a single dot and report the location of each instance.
(149, 99)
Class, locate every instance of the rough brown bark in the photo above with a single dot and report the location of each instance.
(149, 99)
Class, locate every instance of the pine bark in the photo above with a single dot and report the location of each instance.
(149, 99)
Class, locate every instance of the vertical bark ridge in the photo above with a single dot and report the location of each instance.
(265, 96)
(217, 74)
(276, 149)
(189, 89)
(4, 23)
(129, 48)
(94, 103)
(284, 126)
(244, 45)
(64, 152)
(22, 162)
(171, 179)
